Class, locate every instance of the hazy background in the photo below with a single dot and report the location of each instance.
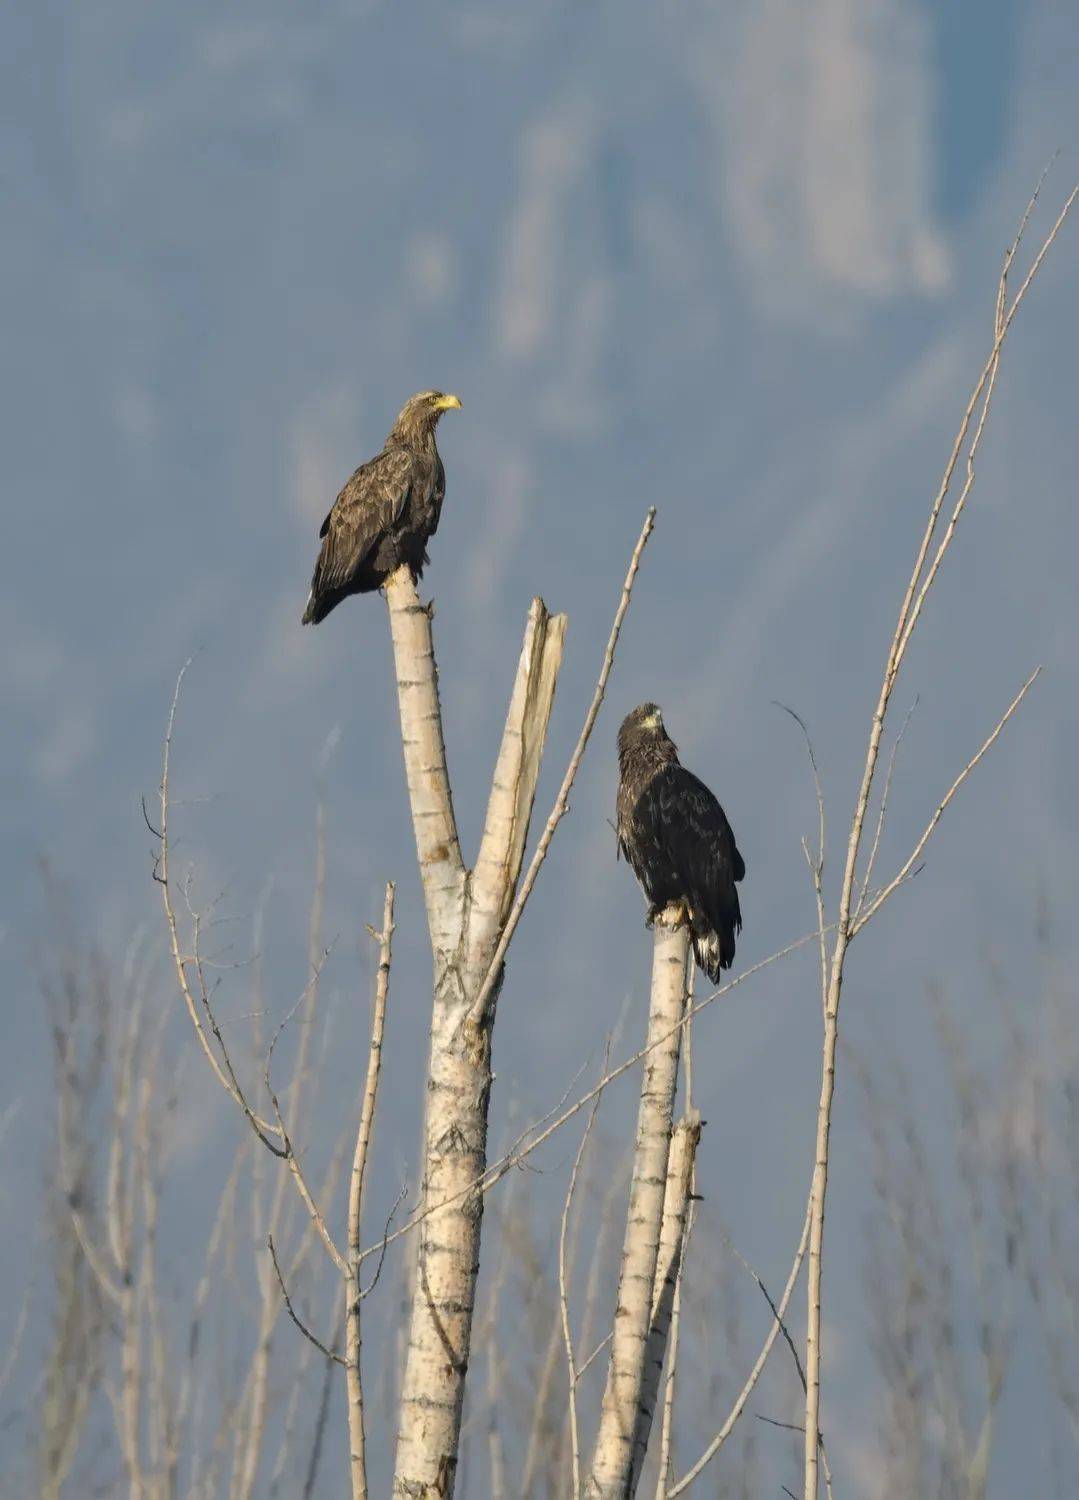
(736, 261)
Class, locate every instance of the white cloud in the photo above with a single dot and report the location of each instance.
(554, 158)
(68, 742)
(432, 269)
(824, 148)
(323, 443)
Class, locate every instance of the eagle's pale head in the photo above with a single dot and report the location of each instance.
(644, 727)
(421, 412)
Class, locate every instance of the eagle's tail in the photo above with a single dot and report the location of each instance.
(713, 946)
(317, 609)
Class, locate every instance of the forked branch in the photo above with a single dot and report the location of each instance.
(968, 439)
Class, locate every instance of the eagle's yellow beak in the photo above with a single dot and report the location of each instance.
(448, 403)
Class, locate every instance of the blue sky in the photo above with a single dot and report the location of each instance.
(737, 262)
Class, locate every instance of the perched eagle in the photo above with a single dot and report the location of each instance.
(677, 839)
(386, 512)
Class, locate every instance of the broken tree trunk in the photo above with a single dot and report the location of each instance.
(466, 911)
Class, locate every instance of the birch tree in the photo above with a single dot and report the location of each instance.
(472, 915)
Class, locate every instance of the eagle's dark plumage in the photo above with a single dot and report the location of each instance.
(386, 512)
(677, 839)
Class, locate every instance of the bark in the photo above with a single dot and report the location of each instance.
(614, 1468)
(687, 1134)
(466, 911)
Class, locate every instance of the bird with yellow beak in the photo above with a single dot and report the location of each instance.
(386, 513)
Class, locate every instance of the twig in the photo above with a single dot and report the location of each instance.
(229, 1083)
(882, 896)
(353, 1298)
(774, 1422)
(11, 1358)
(563, 1289)
(596, 1352)
(288, 1152)
(755, 1373)
(882, 811)
(815, 863)
(300, 1324)
(778, 1316)
(315, 1457)
(595, 1355)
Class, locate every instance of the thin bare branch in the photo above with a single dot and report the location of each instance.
(882, 896)
(288, 1154)
(563, 1288)
(226, 1076)
(882, 811)
(815, 863)
(300, 1324)
(778, 1316)
(596, 1352)
(479, 1006)
(1003, 321)
(15, 1345)
(755, 1373)
(353, 1299)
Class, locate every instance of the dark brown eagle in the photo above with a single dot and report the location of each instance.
(387, 511)
(677, 839)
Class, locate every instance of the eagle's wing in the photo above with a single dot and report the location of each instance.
(696, 837)
(368, 506)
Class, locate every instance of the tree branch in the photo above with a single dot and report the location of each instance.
(300, 1324)
(755, 1373)
(882, 896)
(353, 1298)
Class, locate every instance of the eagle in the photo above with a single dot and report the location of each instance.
(677, 840)
(386, 513)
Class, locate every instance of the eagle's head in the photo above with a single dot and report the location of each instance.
(420, 413)
(644, 728)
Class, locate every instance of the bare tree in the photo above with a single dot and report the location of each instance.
(856, 909)
(472, 915)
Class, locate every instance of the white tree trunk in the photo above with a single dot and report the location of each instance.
(684, 1141)
(466, 911)
(613, 1465)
